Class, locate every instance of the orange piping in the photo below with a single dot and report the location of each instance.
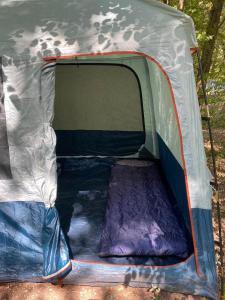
(63, 269)
(126, 265)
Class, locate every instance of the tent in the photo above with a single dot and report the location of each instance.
(103, 175)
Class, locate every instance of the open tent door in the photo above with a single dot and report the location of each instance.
(107, 171)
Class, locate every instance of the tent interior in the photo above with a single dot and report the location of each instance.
(121, 192)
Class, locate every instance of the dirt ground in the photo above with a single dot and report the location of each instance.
(40, 291)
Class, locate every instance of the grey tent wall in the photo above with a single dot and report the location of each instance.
(91, 110)
(169, 140)
(5, 170)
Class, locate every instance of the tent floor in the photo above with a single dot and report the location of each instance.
(81, 203)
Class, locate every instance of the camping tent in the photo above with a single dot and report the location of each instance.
(99, 99)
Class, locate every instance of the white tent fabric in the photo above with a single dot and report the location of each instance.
(31, 30)
(35, 32)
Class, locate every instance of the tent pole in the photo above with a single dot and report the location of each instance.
(218, 202)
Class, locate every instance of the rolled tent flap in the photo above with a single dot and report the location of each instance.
(32, 245)
(56, 255)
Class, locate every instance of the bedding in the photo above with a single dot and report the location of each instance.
(134, 162)
(140, 219)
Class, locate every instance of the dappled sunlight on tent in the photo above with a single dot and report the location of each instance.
(104, 178)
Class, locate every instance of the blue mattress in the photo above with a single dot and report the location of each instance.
(83, 194)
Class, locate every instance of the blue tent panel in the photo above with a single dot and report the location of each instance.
(31, 242)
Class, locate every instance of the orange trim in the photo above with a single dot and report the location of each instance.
(194, 50)
(126, 265)
(63, 269)
(60, 281)
(50, 58)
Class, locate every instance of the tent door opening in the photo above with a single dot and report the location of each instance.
(114, 201)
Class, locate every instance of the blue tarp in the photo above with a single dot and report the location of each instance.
(31, 241)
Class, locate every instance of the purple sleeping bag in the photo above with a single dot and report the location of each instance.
(139, 217)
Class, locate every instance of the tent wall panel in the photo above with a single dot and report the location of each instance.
(27, 228)
(84, 92)
(99, 143)
(140, 65)
(203, 218)
(21, 252)
(198, 175)
(165, 117)
(175, 178)
(169, 142)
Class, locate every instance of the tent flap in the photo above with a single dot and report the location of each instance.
(21, 254)
(56, 254)
(31, 242)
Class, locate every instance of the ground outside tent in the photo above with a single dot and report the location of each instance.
(29, 291)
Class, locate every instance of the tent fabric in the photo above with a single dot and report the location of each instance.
(99, 142)
(33, 34)
(4, 148)
(27, 229)
(97, 89)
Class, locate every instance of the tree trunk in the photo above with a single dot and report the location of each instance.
(212, 32)
(181, 5)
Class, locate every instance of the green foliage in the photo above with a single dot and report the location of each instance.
(199, 11)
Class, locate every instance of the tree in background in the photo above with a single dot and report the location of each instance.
(214, 24)
(180, 4)
(209, 19)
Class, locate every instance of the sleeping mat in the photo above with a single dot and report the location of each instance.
(140, 220)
